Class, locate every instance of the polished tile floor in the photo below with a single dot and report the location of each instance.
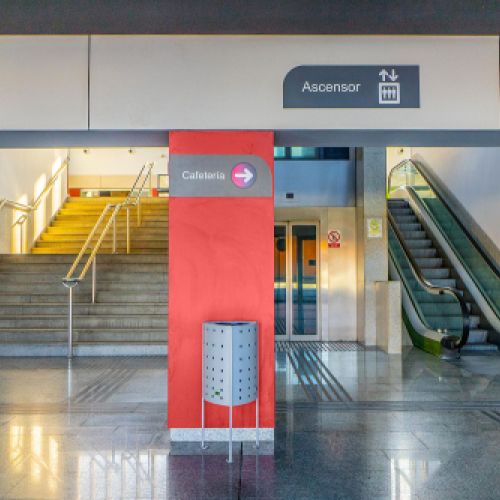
(351, 424)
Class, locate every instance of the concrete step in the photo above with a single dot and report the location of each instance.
(71, 251)
(107, 321)
(83, 297)
(69, 259)
(82, 349)
(104, 275)
(81, 309)
(138, 238)
(62, 269)
(102, 286)
(28, 336)
(70, 232)
(106, 243)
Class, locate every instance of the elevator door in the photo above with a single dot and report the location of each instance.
(296, 256)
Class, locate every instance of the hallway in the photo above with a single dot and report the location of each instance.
(351, 423)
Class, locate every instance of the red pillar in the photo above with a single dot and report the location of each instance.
(220, 268)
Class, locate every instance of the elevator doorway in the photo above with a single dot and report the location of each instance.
(296, 277)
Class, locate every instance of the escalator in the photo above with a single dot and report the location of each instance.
(451, 285)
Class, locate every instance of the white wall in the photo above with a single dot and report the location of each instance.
(209, 82)
(44, 82)
(116, 161)
(473, 177)
(23, 175)
(114, 168)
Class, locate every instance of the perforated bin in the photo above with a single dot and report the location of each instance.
(230, 368)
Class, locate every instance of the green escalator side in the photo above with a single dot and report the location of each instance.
(475, 264)
(424, 304)
(421, 341)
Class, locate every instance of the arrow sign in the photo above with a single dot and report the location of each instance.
(243, 175)
(384, 74)
(246, 175)
(393, 76)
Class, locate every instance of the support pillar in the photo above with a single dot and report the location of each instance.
(372, 250)
(221, 267)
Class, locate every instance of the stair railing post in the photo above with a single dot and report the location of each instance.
(128, 230)
(114, 233)
(21, 242)
(70, 283)
(94, 278)
(70, 324)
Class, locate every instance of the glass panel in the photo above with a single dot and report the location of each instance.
(304, 285)
(280, 280)
(279, 152)
(299, 153)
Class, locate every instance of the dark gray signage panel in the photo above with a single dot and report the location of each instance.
(352, 87)
(241, 176)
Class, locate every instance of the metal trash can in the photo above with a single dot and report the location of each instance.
(230, 375)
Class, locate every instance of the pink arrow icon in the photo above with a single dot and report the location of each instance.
(243, 175)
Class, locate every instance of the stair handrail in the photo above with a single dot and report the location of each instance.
(491, 263)
(448, 341)
(70, 281)
(28, 209)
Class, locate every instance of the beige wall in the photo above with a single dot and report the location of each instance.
(210, 82)
(24, 173)
(337, 269)
(44, 82)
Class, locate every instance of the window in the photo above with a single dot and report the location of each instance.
(310, 153)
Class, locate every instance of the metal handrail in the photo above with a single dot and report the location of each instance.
(491, 263)
(449, 341)
(71, 281)
(29, 209)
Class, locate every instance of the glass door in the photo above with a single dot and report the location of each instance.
(296, 255)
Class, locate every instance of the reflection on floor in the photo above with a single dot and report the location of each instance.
(350, 424)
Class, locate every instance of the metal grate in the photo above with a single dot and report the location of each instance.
(314, 346)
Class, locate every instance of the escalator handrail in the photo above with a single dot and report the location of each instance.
(447, 341)
(491, 263)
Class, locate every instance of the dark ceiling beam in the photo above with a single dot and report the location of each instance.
(453, 17)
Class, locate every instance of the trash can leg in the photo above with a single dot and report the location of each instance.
(203, 445)
(230, 458)
(257, 444)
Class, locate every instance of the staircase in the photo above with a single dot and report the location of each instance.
(130, 313)
(441, 312)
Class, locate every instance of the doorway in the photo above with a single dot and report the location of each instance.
(296, 276)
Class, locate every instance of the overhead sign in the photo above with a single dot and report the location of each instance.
(334, 238)
(219, 176)
(352, 87)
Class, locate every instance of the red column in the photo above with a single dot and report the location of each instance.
(220, 268)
